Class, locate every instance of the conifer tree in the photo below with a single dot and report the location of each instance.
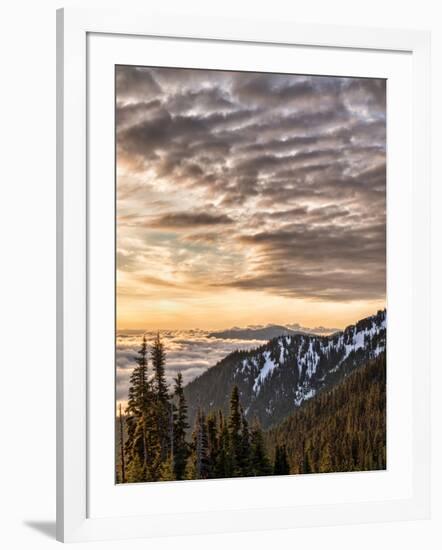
(181, 447)
(161, 396)
(167, 470)
(142, 446)
(213, 441)
(245, 449)
(259, 463)
(224, 461)
(135, 471)
(326, 459)
(138, 402)
(306, 467)
(235, 431)
(281, 465)
(284, 461)
(199, 465)
(122, 457)
(158, 358)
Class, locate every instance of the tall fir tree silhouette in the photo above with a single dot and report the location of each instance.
(136, 446)
(281, 466)
(235, 431)
(161, 396)
(181, 448)
(199, 463)
(259, 462)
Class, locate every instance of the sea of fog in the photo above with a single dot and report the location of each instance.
(190, 352)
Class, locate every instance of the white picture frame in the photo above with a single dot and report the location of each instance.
(77, 217)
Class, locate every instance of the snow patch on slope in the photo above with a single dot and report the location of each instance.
(309, 359)
(359, 339)
(303, 394)
(267, 368)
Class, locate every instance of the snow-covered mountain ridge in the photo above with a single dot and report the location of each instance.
(279, 376)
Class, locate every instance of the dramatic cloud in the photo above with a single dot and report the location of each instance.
(177, 220)
(269, 185)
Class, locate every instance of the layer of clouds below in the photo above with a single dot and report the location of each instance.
(189, 352)
(277, 181)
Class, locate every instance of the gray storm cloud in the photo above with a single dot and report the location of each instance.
(287, 171)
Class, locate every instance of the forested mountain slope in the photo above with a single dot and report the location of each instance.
(340, 430)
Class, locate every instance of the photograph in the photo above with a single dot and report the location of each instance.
(250, 274)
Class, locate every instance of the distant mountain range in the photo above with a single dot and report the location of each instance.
(268, 332)
(291, 368)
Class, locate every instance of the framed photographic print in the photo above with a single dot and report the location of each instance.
(243, 255)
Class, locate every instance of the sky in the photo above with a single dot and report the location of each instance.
(248, 198)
